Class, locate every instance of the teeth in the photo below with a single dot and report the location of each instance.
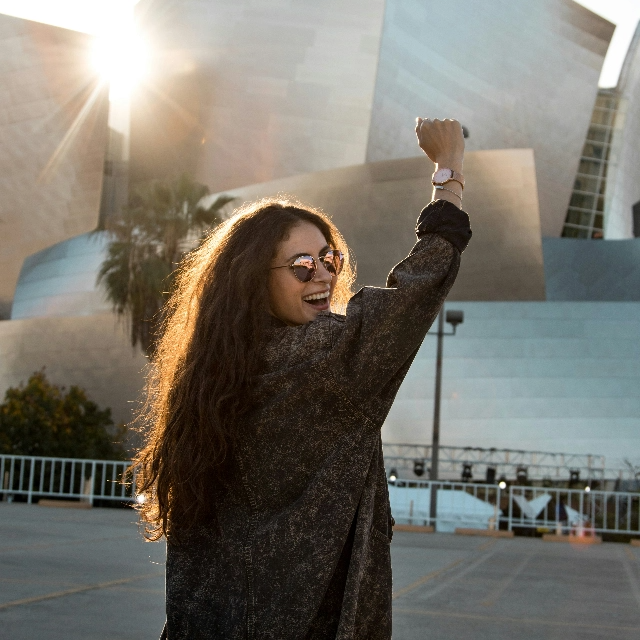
(317, 296)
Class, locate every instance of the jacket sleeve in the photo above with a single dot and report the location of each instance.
(384, 327)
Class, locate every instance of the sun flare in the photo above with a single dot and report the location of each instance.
(121, 57)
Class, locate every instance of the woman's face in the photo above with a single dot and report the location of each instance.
(289, 299)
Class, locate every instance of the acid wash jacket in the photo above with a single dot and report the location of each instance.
(302, 550)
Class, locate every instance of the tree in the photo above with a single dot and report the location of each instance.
(40, 419)
(161, 222)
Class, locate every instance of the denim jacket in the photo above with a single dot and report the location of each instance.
(302, 551)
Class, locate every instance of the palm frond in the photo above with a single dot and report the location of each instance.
(148, 242)
(211, 216)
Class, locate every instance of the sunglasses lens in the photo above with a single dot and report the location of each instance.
(304, 268)
(333, 261)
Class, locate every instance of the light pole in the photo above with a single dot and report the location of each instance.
(454, 318)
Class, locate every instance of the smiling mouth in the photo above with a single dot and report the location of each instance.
(317, 299)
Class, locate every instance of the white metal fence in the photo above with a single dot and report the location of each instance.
(457, 504)
(486, 506)
(68, 478)
(581, 512)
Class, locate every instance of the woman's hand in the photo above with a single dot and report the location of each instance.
(442, 141)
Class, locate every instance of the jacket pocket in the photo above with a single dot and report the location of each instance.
(379, 535)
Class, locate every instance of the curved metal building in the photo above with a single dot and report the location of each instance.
(623, 184)
(61, 280)
(53, 132)
(248, 92)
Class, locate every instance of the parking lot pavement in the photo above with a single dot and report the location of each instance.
(448, 587)
(78, 575)
(87, 575)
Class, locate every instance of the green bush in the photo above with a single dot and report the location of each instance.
(41, 419)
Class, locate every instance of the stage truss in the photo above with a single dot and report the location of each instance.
(510, 463)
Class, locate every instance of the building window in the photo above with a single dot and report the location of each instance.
(590, 167)
(582, 200)
(585, 217)
(584, 183)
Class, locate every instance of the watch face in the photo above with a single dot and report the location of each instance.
(441, 176)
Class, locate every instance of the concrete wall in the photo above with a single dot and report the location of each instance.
(623, 183)
(244, 91)
(51, 156)
(591, 270)
(552, 376)
(90, 351)
(375, 206)
(516, 73)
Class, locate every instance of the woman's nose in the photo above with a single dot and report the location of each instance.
(322, 273)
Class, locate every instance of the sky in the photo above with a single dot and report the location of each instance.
(625, 14)
(96, 16)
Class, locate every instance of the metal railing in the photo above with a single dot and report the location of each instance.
(579, 512)
(485, 506)
(458, 504)
(66, 478)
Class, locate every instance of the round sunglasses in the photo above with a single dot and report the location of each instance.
(305, 267)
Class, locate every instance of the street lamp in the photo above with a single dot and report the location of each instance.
(454, 318)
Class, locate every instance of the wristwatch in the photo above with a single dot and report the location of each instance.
(444, 175)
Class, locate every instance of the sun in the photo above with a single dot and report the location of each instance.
(120, 56)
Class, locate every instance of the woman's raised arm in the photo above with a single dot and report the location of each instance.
(375, 343)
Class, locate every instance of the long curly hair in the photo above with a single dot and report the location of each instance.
(198, 384)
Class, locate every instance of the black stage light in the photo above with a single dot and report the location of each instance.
(491, 475)
(418, 467)
(466, 472)
(521, 475)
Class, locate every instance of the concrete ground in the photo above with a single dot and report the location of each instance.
(78, 575)
(449, 587)
(86, 575)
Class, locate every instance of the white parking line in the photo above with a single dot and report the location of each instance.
(68, 592)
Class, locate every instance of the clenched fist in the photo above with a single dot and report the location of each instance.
(442, 141)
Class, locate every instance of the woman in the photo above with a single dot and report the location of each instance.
(264, 467)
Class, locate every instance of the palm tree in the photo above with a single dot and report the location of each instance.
(161, 222)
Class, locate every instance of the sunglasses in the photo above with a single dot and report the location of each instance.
(305, 267)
